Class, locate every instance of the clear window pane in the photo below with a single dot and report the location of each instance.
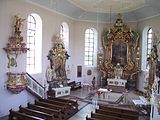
(149, 43)
(89, 46)
(87, 36)
(31, 28)
(91, 36)
(150, 30)
(150, 36)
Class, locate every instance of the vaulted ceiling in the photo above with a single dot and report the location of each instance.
(103, 10)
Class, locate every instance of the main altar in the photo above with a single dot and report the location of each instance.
(120, 47)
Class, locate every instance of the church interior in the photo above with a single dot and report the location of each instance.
(80, 60)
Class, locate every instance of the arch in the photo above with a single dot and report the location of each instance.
(90, 55)
(34, 42)
(144, 47)
(64, 32)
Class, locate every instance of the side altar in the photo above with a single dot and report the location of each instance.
(56, 73)
(120, 47)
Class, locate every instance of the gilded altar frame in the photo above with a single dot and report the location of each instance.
(120, 35)
(57, 56)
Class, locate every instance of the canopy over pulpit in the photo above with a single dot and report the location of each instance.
(120, 46)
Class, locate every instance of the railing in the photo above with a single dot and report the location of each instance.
(34, 87)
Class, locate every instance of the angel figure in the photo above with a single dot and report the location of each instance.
(49, 74)
(118, 71)
(18, 24)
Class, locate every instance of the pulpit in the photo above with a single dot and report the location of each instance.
(120, 47)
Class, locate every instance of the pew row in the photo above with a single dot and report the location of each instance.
(15, 115)
(47, 109)
(35, 113)
(69, 107)
(71, 102)
(120, 110)
(114, 113)
(56, 113)
(105, 117)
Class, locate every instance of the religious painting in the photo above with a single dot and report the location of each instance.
(79, 71)
(59, 68)
(119, 53)
(89, 72)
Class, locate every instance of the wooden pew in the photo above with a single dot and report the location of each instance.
(36, 113)
(105, 117)
(51, 106)
(64, 104)
(14, 115)
(55, 107)
(87, 118)
(116, 114)
(69, 109)
(56, 113)
(120, 110)
(71, 102)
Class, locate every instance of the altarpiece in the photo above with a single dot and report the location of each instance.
(120, 47)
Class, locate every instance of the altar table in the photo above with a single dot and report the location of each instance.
(117, 82)
(104, 91)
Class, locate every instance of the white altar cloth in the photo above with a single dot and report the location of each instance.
(117, 82)
(59, 92)
(104, 91)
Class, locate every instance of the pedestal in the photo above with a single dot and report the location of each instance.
(59, 92)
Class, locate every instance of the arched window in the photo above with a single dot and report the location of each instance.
(149, 41)
(90, 47)
(146, 46)
(34, 43)
(64, 32)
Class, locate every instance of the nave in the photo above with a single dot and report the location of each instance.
(87, 104)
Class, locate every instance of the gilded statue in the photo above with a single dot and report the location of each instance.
(152, 62)
(58, 56)
(18, 23)
(118, 70)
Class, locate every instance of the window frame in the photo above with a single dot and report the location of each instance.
(34, 55)
(149, 43)
(31, 42)
(90, 47)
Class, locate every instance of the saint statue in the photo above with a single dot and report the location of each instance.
(118, 71)
(18, 23)
(49, 74)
